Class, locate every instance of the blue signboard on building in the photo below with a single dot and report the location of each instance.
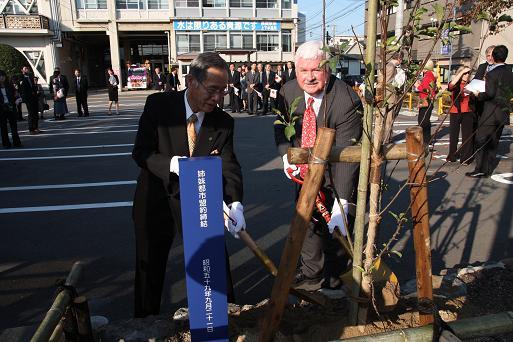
(201, 197)
(207, 25)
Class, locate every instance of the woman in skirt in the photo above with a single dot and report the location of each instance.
(112, 85)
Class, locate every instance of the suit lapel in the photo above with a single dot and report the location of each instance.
(177, 127)
(326, 104)
(207, 136)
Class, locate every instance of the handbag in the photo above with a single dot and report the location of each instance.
(60, 93)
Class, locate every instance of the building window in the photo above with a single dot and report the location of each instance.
(92, 4)
(214, 3)
(267, 42)
(187, 43)
(158, 4)
(241, 3)
(267, 3)
(286, 41)
(186, 3)
(241, 41)
(130, 4)
(214, 41)
(286, 4)
(152, 50)
(13, 7)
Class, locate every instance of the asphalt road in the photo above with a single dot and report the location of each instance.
(66, 196)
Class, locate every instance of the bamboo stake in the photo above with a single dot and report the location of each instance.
(361, 203)
(350, 154)
(298, 229)
(53, 316)
(420, 215)
(83, 319)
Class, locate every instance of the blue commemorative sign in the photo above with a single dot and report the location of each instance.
(204, 25)
(201, 197)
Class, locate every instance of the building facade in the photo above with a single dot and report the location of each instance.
(95, 34)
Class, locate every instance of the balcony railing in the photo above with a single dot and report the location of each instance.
(24, 22)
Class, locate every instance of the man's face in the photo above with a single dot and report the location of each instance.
(57, 72)
(489, 57)
(259, 67)
(204, 96)
(239, 69)
(2, 78)
(253, 67)
(310, 77)
(77, 73)
(289, 65)
(232, 67)
(278, 68)
(24, 70)
(157, 70)
(268, 67)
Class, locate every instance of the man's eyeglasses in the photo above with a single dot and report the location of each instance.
(214, 91)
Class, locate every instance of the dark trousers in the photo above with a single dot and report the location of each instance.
(19, 112)
(154, 238)
(487, 143)
(33, 116)
(8, 116)
(466, 121)
(234, 101)
(252, 102)
(423, 120)
(82, 104)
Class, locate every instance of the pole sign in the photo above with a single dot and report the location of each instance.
(201, 198)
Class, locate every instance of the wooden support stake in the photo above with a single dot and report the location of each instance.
(420, 215)
(297, 233)
(83, 319)
(350, 154)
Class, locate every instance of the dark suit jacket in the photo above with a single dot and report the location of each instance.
(64, 84)
(481, 71)
(162, 134)
(159, 78)
(291, 77)
(84, 85)
(252, 78)
(172, 82)
(269, 81)
(9, 91)
(342, 114)
(235, 79)
(28, 89)
(497, 96)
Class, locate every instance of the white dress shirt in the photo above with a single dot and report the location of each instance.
(317, 102)
(189, 112)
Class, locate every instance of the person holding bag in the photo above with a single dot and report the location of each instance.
(113, 90)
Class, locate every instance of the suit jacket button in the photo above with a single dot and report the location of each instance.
(209, 138)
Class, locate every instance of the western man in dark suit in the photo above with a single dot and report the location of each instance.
(268, 83)
(325, 101)
(28, 90)
(234, 82)
(495, 115)
(159, 80)
(483, 68)
(81, 87)
(252, 78)
(176, 125)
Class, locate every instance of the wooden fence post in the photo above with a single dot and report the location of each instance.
(297, 233)
(420, 216)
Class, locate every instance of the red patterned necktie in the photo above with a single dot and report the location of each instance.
(308, 132)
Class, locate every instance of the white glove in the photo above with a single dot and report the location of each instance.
(237, 214)
(173, 165)
(287, 166)
(337, 220)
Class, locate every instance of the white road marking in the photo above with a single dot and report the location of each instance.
(66, 186)
(68, 157)
(501, 178)
(82, 128)
(65, 207)
(76, 133)
(64, 148)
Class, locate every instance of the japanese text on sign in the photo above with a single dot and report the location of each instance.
(189, 25)
(208, 295)
(202, 199)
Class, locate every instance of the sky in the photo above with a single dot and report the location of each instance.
(340, 15)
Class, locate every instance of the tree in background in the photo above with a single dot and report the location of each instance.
(11, 60)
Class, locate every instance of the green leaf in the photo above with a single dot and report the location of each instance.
(483, 16)
(279, 122)
(391, 40)
(294, 104)
(394, 215)
(505, 17)
(276, 111)
(359, 268)
(290, 131)
(461, 28)
(399, 254)
(333, 62)
(421, 11)
(439, 11)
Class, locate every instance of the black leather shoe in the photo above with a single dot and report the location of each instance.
(477, 174)
(302, 282)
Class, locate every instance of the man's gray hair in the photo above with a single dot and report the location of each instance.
(204, 61)
(489, 49)
(310, 50)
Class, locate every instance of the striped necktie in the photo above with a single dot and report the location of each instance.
(308, 132)
(191, 132)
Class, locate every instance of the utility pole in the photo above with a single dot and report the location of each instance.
(399, 21)
(324, 22)
(334, 30)
(449, 36)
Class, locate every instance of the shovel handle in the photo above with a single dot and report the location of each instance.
(268, 263)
